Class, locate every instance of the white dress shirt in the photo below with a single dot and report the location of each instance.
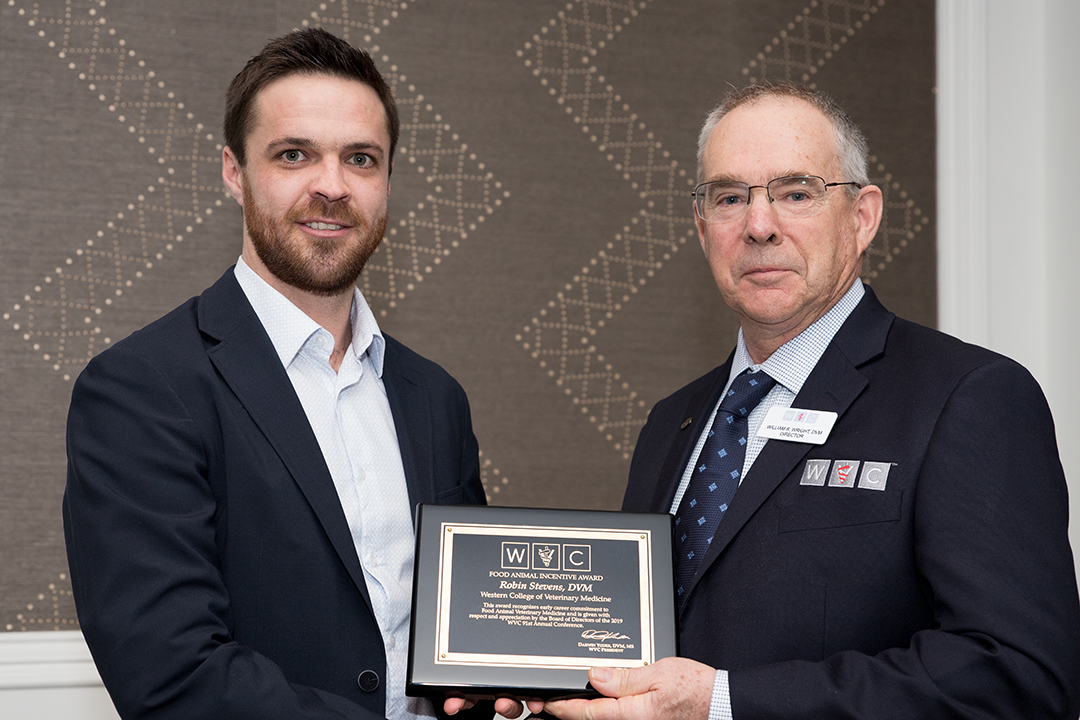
(790, 366)
(350, 416)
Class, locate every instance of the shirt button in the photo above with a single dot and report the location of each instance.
(368, 681)
(393, 643)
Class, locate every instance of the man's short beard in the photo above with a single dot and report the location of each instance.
(313, 265)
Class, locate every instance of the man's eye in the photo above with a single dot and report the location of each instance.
(292, 156)
(796, 197)
(362, 160)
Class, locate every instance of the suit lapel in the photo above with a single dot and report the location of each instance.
(833, 385)
(248, 363)
(698, 408)
(412, 421)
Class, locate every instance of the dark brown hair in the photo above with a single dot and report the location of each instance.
(310, 52)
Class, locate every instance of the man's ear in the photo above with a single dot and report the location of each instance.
(233, 174)
(868, 209)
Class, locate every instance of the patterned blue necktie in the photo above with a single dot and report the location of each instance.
(716, 477)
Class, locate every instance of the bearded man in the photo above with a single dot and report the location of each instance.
(242, 473)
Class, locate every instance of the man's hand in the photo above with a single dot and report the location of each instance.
(671, 688)
(507, 707)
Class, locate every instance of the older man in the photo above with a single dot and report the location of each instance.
(897, 546)
(243, 472)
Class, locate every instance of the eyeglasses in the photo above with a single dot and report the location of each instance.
(798, 196)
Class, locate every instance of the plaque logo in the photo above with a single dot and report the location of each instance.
(577, 558)
(545, 556)
(515, 555)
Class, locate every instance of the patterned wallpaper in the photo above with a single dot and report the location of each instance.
(541, 244)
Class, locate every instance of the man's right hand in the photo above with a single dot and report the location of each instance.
(670, 688)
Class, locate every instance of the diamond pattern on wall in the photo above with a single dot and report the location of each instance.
(901, 221)
(562, 336)
(810, 40)
(53, 609)
(64, 317)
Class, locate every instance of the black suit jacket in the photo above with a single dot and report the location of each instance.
(213, 569)
(951, 593)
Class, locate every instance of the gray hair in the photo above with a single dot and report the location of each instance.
(851, 147)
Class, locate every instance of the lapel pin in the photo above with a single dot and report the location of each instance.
(686, 423)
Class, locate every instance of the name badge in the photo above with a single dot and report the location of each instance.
(795, 425)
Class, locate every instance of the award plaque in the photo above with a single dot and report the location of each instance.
(523, 601)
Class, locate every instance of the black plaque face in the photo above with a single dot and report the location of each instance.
(524, 601)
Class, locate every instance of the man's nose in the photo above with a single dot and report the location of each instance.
(761, 219)
(329, 181)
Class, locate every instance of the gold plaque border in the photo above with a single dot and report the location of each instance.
(443, 654)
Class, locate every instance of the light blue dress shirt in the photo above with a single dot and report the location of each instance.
(350, 415)
(790, 366)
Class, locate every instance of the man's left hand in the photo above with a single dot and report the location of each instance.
(670, 688)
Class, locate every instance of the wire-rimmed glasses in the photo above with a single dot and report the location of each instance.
(797, 196)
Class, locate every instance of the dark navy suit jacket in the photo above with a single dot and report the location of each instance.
(949, 594)
(214, 572)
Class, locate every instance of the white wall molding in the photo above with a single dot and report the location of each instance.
(46, 659)
(963, 238)
(1063, 249)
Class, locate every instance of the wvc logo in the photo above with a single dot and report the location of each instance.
(842, 473)
(546, 556)
(800, 416)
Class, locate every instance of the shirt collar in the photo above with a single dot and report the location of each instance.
(289, 327)
(793, 361)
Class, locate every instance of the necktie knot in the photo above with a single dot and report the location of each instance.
(746, 391)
